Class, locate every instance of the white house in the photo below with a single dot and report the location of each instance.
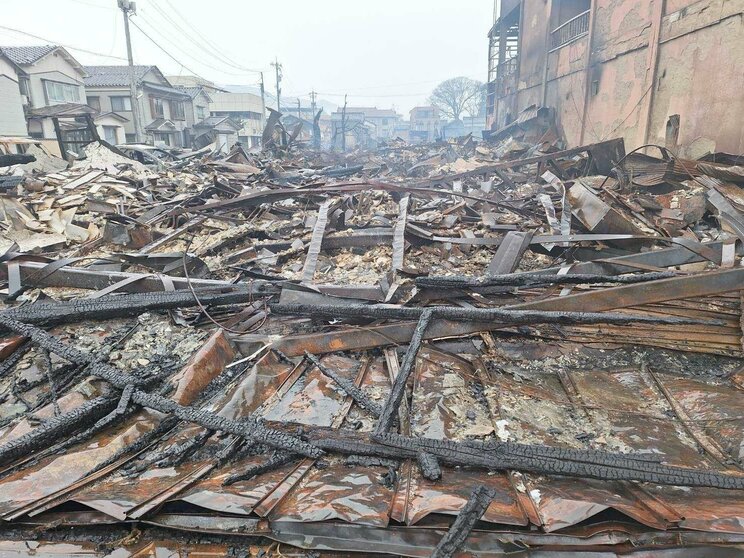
(163, 108)
(48, 75)
(12, 120)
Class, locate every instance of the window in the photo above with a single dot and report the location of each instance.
(159, 137)
(570, 22)
(130, 138)
(94, 102)
(121, 104)
(23, 85)
(176, 110)
(384, 121)
(156, 107)
(201, 112)
(109, 134)
(57, 92)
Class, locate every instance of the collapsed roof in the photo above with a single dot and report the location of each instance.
(450, 347)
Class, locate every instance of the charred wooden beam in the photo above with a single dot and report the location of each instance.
(469, 515)
(481, 315)
(500, 456)
(50, 431)
(248, 427)
(429, 466)
(276, 460)
(390, 409)
(119, 306)
(532, 279)
(359, 397)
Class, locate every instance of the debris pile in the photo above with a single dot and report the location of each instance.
(333, 350)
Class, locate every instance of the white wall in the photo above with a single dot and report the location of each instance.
(52, 67)
(12, 121)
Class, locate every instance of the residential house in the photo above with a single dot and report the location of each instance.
(52, 89)
(163, 108)
(669, 73)
(246, 109)
(402, 130)
(193, 81)
(384, 120)
(350, 129)
(12, 120)
(466, 125)
(424, 124)
(221, 130)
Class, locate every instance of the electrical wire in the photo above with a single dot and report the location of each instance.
(215, 59)
(50, 41)
(217, 51)
(168, 39)
(153, 41)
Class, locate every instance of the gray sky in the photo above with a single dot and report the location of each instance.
(381, 52)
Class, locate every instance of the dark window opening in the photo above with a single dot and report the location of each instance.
(94, 102)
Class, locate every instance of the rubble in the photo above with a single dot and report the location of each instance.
(497, 340)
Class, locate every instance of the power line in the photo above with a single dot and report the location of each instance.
(50, 41)
(214, 57)
(216, 49)
(159, 33)
(153, 41)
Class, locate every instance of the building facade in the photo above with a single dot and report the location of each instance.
(384, 120)
(425, 124)
(246, 109)
(12, 120)
(163, 108)
(651, 71)
(46, 76)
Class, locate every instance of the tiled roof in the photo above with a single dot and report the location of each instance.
(215, 121)
(160, 124)
(190, 91)
(61, 109)
(112, 76)
(22, 55)
(166, 90)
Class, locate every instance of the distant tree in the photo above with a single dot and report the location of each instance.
(477, 104)
(453, 96)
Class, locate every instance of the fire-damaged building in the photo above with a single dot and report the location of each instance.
(668, 72)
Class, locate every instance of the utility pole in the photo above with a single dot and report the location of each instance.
(278, 68)
(263, 101)
(313, 95)
(343, 126)
(127, 8)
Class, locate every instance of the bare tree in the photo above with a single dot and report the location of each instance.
(453, 96)
(476, 106)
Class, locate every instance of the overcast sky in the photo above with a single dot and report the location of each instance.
(384, 53)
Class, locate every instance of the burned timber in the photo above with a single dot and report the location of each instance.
(456, 347)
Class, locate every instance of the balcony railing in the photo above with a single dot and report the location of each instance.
(570, 31)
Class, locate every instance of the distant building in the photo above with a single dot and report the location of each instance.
(467, 125)
(351, 129)
(669, 73)
(383, 119)
(425, 124)
(193, 81)
(365, 126)
(402, 130)
(221, 130)
(246, 109)
(163, 108)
